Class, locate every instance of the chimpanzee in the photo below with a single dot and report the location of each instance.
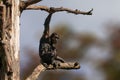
(47, 47)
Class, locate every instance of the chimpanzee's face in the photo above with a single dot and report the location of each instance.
(54, 39)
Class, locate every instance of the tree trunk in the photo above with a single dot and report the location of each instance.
(9, 40)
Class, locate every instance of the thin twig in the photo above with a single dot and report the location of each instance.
(52, 10)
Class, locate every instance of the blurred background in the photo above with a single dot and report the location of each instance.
(93, 41)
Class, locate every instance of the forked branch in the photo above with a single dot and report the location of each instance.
(52, 10)
(24, 4)
(40, 68)
(27, 5)
(30, 2)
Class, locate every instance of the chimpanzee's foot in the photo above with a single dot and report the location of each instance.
(56, 64)
(45, 65)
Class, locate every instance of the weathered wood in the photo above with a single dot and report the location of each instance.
(34, 76)
(40, 68)
(3, 66)
(60, 9)
(9, 40)
(66, 66)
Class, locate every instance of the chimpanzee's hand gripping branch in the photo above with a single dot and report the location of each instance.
(48, 55)
(47, 48)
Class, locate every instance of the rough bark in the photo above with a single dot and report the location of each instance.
(9, 40)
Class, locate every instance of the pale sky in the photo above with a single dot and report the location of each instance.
(103, 11)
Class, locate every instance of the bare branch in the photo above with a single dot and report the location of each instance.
(40, 68)
(53, 10)
(24, 4)
(30, 2)
(36, 72)
(67, 66)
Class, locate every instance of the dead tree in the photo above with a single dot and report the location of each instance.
(9, 39)
(10, 11)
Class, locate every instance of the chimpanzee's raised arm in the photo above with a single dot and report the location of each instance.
(46, 25)
(44, 40)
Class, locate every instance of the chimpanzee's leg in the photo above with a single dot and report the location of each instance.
(59, 59)
(56, 61)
